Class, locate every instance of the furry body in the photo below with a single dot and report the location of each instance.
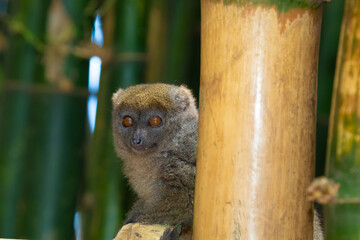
(163, 175)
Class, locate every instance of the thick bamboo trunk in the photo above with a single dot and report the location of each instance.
(256, 148)
(343, 159)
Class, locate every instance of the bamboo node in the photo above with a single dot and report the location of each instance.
(323, 190)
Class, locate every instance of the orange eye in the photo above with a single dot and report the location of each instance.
(155, 121)
(127, 121)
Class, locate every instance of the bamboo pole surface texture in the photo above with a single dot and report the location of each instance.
(256, 147)
(342, 221)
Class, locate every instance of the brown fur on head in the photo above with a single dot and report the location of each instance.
(145, 96)
(175, 102)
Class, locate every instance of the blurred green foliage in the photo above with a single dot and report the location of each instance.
(42, 131)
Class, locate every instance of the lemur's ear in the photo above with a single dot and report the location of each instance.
(182, 96)
(116, 97)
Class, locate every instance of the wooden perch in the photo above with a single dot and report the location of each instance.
(136, 231)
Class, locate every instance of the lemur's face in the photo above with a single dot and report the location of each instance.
(148, 117)
(141, 131)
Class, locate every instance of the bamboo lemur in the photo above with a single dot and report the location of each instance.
(155, 134)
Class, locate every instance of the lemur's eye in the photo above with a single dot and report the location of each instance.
(155, 121)
(127, 121)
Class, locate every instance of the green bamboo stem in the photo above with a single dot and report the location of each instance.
(3, 46)
(329, 41)
(124, 30)
(42, 126)
(174, 42)
(16, 107)
(342, 221)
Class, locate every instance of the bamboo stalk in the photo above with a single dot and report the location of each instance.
(41, 132)
(342, 221)
(15, 114)
(173, 42)
(330, 34)
(107, 193)
(256, 150)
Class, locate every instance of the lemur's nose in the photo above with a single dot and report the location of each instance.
(137, 141)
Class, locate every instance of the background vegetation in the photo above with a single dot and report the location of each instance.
(51, 164)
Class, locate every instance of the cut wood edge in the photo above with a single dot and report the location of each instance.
(136, 231)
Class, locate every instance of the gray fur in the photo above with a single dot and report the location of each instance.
(318, 231)
(163, 177)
